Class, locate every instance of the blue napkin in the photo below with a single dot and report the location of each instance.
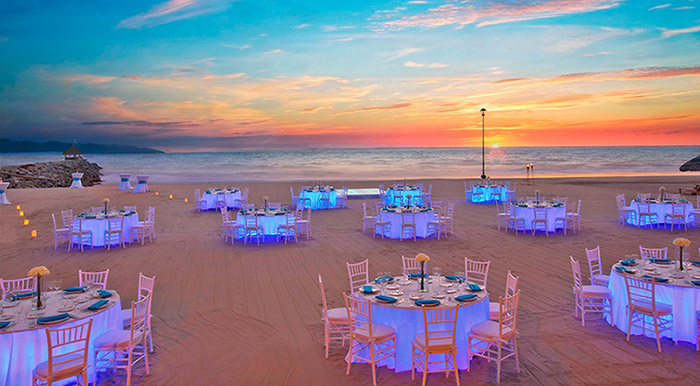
(455, 278)
(4, 324)
(383, 279)
(623, 269)
(696, 282)
(129, 214)
(207, 192)
(656, 278)
(75, 289)
(417, 275)
(386, 298)
(474, 287)
(97, 305)
(104, 294)
(628, 262)
(47, 319)
(260, 214)
(23, 295)
(465, 297)
(90, 217)
(427, 302)
(368, 289)
(695, 263)
(660, 260)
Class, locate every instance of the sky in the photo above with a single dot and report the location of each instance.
(217, 75)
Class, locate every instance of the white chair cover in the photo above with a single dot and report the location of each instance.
(124, 182)
(3, 197)
(76, 180)
(142, 185)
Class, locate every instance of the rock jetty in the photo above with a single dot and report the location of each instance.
(51, 174)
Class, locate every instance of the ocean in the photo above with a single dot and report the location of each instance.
(382, 163)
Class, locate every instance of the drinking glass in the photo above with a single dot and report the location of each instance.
(460, 280)
(437, 272)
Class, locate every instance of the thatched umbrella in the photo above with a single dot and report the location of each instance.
(72, 152)
(691, 166)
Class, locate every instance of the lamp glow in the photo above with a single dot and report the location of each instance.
(156, 193)
(21, 213)
(186, 199)
(171, 196)
(26, 222)
(33, 233)
(17, 207)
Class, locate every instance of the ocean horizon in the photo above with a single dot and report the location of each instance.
(381, 163)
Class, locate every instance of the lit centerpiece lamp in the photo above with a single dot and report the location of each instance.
(422, 258)
(681, 243)
(38, 272)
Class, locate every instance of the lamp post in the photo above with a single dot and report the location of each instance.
(483, 151)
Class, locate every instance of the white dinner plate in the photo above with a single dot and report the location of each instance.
(451, 290)
(34, 315)
(6, 316)
(66, 308)
(439, 296)
(445, 284)
(396, 293)
(392, 287)
(416, 297)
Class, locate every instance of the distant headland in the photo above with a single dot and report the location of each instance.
(11, 146)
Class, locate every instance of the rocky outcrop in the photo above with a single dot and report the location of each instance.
(51, 174)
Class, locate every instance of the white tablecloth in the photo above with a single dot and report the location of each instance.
(489, 193)
(314, 197)
(269, 222)
(21, 348)
(124, 182)
(3, 195)
(99, 225)
(141, 185)
(230, 198)
(661, 209)
(408, 322)
(422, 219)
(528, 214)
(77, 183)
(683, 297)
(404, 192)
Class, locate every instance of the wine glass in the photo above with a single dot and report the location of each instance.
(436, 273)
(460, 280)
(59, 284)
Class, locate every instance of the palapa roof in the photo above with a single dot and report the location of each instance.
(691, 166)
(72, 150)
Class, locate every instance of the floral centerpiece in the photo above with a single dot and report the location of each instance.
(38, 272)
(265, 202)
(422, 258)
(106, 201)
(537, 196)
(681, 243)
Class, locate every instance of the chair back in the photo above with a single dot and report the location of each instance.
(115, 224)
(377, 207)
(364, 209)
(68, 350)
(653, 253)
(594, 264)
(410, 265)
(67, 216)
(251, 221)
(408, 218)
(511, 284)
(25, 284)
(139, 319)
(541, 214)
(324, 312)
(508, 315)
(94, 278)
(578, 209)
(678, 209)
(673, 196)
(244, 196)
(77, 226)
(358, 274)
(643, 207)
(53, 217)
(360, 315)
(643, 196)
(151, 216)
(381, 188)
(291, 191)
(325, 195)
(224, 216)
(641, 293)
(247, 206)
(430, 189)
(197, 195)
(299, 213)
(620, 201)
(146, 285)
(274, 205)
(476, 271)
(130, 208)
(576, 269)
(440, 326)
(450, 211)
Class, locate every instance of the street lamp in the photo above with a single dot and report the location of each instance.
(483, 151)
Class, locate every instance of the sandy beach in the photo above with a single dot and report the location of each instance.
(249, 315)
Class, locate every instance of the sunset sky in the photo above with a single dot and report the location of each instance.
(192, 75)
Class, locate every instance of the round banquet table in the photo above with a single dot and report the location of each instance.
(422, 217)
(230, 197)
(99, 225)
(679, 293)
(404, 192)
(526, 211)
(489, 193)
(313, 196)
(3, 195)
(407, 320)
(270, 219)
(22, 346)
(661, 209)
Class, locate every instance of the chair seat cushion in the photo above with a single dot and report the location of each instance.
(596, 291)
(74, 366)
(438, 342)
(601, 280)
(489, 330)
(380, 332)
(661, 309)
(114, 340)
(338, 315)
